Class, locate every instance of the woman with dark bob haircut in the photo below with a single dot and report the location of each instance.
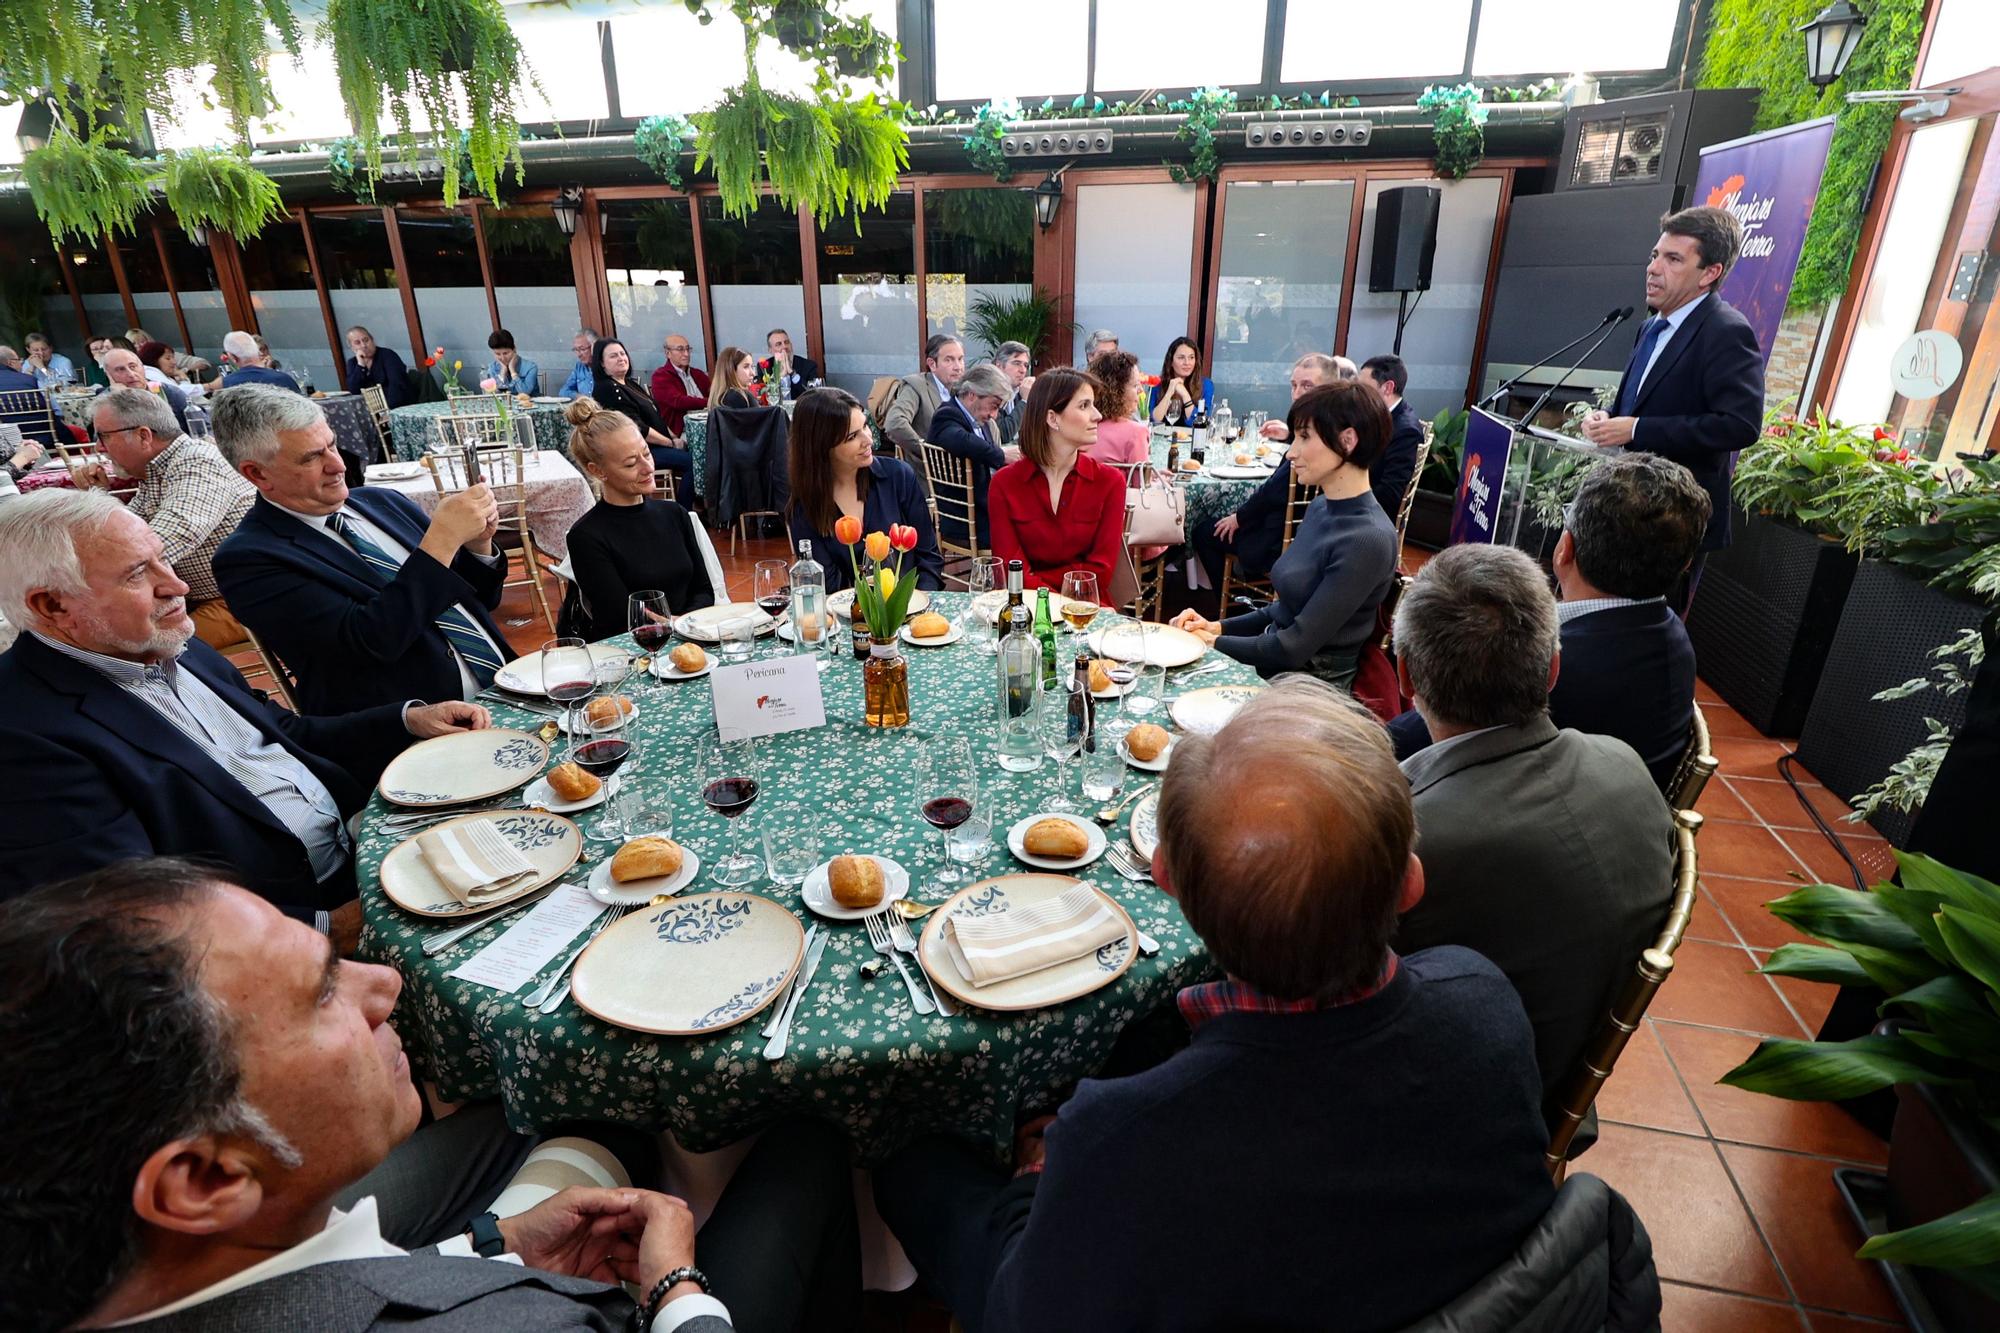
(1337, 570)
(836, 474)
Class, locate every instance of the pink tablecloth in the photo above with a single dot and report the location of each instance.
(558, 496)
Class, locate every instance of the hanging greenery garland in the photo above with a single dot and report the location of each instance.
(658, 142)
(1203, 113)
(1457, 128)
(983, 143)
(207, 187)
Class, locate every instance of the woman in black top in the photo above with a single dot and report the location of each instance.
(617, 389)
(735, 380)
(626, 544)
(836, 473)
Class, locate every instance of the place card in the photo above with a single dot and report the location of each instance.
(767, 697)
(527, 946)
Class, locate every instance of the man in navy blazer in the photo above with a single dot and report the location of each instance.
(125, 738)
(363, 598)
(963, 426)
(1694, 388)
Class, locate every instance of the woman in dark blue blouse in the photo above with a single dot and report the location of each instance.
(836, 473)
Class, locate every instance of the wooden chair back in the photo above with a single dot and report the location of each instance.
(1410, 493)
(504, 470)
(267, 665)
(953, 496)
(482, 430)
(1297, 500)
(1698, 764)
(663, 480)
(31, 411)
(1656, 963)
(377, 403)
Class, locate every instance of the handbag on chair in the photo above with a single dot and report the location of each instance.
(1157, 508)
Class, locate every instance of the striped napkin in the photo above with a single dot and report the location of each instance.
(474, 861)
(1021, 940)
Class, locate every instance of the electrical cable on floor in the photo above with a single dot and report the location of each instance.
(1853, 866)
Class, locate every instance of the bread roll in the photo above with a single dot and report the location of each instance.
(646, 858)
(1100, 674)
(929, 625)
(1147, 741)
(856, 881)
(688, 657)
(1058, 839)
(572, 783)
(808, 627)
(1243, 460)
(609, 709)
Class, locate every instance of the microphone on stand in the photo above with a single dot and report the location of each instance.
(1612, 319)
(1616, 318)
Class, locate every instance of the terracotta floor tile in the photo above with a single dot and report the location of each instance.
(1685, 1309)
(1746, 851)
(1699, 1228)
(1719, 802)
(1726, 721)
(1778, 805)
(1749, 758)
(1869, 850)
(1810, 999)
(1704, 693)
(1645, 1090)
(1708, 922)
(1713, 985)
(1742, 903)
(1810, 1229)
(1703, 1055)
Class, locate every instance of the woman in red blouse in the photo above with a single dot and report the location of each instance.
(1056, 509)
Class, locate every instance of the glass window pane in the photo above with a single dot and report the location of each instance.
(361, 279)
(200, 293)
(867, 297)
(148, 285)
(306, 98)
(1284, 249)
(288, 315)
(1027, 49)
(1134, 247)
(705, 60)
(566, 58)
(103, 309)
(1144, 44)
(535, 285)
(755, 274)
(1437, 343)
(1562, 36)
(1965, 38)
(443, 256)
(649, 267)
(977, 243)
(1429, 42)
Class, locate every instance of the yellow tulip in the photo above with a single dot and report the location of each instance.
(886, 580)
(878, 546)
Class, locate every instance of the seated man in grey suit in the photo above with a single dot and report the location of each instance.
(1548, 851)
(194, 1079)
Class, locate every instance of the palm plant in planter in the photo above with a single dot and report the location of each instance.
(207, 187)
(1931, 946)
(1029, 320)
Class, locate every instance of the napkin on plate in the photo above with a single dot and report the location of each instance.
(1021, 940)
(474, 861)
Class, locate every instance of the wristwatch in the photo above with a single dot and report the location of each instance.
(487, 1242)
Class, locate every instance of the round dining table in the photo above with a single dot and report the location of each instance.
(413, 427)
(859, 1054)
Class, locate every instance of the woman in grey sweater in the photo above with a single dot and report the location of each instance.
(1337, 570)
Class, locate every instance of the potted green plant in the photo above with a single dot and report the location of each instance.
(1030, 320)
(1437, 484)
(1930, 945)
(84, 188)
(208, 187)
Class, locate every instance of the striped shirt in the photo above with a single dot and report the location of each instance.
(1568, 611)
(193, 499)
(286, 787)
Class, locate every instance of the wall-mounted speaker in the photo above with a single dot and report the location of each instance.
(1406, 239)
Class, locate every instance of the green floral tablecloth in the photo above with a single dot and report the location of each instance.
(413, 428)
(859, 1054)
(694, 430)
(1208, 497)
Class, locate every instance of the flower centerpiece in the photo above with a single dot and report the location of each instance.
(1146, 397)
(882, 599)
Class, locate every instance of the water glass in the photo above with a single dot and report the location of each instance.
(792, 836)
(971, 843)
(981, 578)
(1148, 693)
(739, 637)
(1104, 766)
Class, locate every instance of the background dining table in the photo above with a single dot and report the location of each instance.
(413, 427)
(859, 1055)
(558, 494)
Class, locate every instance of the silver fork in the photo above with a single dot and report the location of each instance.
(885, 944)
(905, 942)
(540, 997)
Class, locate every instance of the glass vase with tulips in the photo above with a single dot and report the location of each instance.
(882, 598)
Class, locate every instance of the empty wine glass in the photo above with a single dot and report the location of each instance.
(729, 783)
(947, 790)
(1059, 742)
(983, 577)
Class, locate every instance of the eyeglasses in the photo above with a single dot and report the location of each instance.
(119, 430)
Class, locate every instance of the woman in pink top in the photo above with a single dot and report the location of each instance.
(1121, 437)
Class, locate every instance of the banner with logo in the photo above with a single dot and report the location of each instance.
(1475, 513)
(1769, 181)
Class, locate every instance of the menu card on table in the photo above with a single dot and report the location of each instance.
(527, 946)
(767, 697)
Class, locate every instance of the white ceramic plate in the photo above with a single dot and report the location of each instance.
(842, 603)
(551, 842)
(705, 626)
(523, 675)
(987, 605)
(952, 635)
(552, 402)
(785, 633)
(1157, 764)
(562, 722)
(539, 792)
(1203, 712)
(1084, 822)
(1165, 645)
(393, 471)
(607, 890)
(817, 892)
(463, 766)
(1145, 826)
(692, 967)
(1037, 990)
(664, 669)
(1237, 471)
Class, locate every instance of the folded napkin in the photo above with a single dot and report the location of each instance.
(474, 861)
(1021, 940)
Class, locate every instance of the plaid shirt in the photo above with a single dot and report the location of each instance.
(1198, 1004)
(193, 499)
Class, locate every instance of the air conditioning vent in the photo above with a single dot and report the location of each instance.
(1621, 150)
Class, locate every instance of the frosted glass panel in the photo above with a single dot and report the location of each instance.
(1134, 247)
(456, 319)
(1437, 344)
(1965, 38)
(207, 321)
(1533, 36)
(105, 311)
(754, 274)
(1320, 42)
(542, 320)
(976, 243)
(948, 303)
(1026, 49)
(379, 311)
(646, 313)
(1933, 167)
(290, 321)
(1284, 248)
(1144, 44)
(745, 313)
(59, 322)
(868, 296)
(156, 316)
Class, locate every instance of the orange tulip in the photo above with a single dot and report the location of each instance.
(878, 546)
(902, 537)
(847, 530)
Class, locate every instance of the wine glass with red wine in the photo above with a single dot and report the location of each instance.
(651, 622)
(771, 586)
(947, 787)
(600, 747)
(729, 785)
(568, 674)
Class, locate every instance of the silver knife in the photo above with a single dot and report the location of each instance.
(437, 943)
(777, 1019)
(774, 1049)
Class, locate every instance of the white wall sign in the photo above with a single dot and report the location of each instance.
(1926, 364)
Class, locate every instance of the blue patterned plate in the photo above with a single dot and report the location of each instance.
(551, 842)
(690, 967)
(1037, 990)
(1144, 829)
(463, 766)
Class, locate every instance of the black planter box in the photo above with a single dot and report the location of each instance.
(1430, 520)
(1764, 617)
(1892, 624)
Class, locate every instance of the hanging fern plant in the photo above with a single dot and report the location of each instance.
(422, 56)
(85, 188)
(208, 187)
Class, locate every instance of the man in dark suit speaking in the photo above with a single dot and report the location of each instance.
(361, 596)
(1694, 389)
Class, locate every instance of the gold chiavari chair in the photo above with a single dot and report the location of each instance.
(1410, 493)
(1698, 764)
(1579, 1089)
(377, 403)
(663, 480)
(1297, 502)
(265, 664)
(953, 496)
(31, 410)
(503, 469)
